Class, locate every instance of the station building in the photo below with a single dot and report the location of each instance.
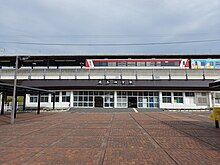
(80, 87)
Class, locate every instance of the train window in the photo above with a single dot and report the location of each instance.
(140, 63)
(165, 63)
(96, 63)
(104, 63)
(131, 63)
(217, 63)
(211, 63)
(158, 63)
(111, 63)
(121, 63)
(176, 63)
(170, 63)
(152, 63)
(100, 64)
(202, 63)
(148, 63)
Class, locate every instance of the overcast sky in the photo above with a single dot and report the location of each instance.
(109, 22)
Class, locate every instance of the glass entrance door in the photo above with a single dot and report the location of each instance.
(132, 102)
(98, 101)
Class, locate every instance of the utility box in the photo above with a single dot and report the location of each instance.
(215, 116)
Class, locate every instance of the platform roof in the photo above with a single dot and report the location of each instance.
(119, 85)
(215, 85)
(21, 90)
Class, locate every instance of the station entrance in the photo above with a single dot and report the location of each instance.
(132, 102)
(116, 99)
(98, 101)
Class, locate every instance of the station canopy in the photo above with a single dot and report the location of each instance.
(21, 90)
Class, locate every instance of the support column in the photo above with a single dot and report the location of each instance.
(210, 99)
(160, 99)
(14, 92)
(115, 99)
(24, 102)
(38, 104)
(54, 99)
(60, 97)
(71, 99)
(15, 112)
(3, 103)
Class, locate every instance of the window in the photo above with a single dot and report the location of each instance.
(217, 100)
(203, 93)
(121, 63)
(190, 94)
(140, 63)
(44, 98)
(202, 63)
(178, 97)
(152, 63)
(158, 63)
(33, 98)
(65, 96)
(217, 63)
(131, 64)
(112, 64)
(83, 98)
(166, 97)
(148, 99)
(57, 99)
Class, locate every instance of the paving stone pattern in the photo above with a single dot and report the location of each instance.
(125, 138)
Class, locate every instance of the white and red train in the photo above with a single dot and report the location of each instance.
(153, 63)
(136, 63)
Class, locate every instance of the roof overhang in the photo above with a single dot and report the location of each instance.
(215, 85)
(95, 84)
(21, 90)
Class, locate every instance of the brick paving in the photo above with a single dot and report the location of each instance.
(116, 138)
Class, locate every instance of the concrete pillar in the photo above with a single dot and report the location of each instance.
(60, 96)
(115, 99)
(50, 98)
(71, 99)
(160, 99)
(211, 99)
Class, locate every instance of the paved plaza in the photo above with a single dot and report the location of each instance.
(115, 138)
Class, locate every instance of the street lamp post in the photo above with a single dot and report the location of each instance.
(14, 92)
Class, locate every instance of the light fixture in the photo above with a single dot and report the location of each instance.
(100, 82)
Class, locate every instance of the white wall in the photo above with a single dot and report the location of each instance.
(188, 102)
(48, 104)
